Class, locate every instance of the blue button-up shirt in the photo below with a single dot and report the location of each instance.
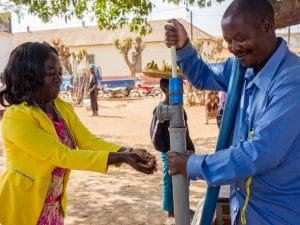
(269, 106)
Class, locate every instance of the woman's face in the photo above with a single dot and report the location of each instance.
(53, 78)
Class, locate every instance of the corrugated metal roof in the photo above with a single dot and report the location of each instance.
(89, 36)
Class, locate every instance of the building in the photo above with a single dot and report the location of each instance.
(100, 48)
(293, 40)
(6, 39)
(6, 45)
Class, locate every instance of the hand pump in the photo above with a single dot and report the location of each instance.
(177, 131)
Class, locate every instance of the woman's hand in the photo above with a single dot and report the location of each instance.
(142, 161)
(139, 159)
(177, 162)
(147, 156)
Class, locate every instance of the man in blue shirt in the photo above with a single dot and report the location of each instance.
(262, 164)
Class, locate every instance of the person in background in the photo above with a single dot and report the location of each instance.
(211, 106)
(262, 163)
(161, 141)
(44, 140)
(221, 106)
(93, 88)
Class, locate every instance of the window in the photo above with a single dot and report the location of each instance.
(91, 58)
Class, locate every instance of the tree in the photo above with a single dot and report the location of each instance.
(79, 58)
(108, 14)
(286, 12)
(64, 54)
(209, 49)
(115, 14)
(124, 48)
(81, 78)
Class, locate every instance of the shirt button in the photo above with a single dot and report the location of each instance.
(238, 188)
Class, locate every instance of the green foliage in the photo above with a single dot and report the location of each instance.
(109, 15)
(124, 46)
(199, 3)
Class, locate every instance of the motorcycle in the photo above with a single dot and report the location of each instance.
(145, 90)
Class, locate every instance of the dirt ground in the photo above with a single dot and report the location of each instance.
(124, 196)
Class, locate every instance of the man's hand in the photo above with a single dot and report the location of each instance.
(175, 34)
(177, 162)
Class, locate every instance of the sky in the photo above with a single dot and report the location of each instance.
(207, 19)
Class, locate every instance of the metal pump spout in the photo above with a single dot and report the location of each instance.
(164, 112)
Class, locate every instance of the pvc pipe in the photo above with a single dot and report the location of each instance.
(224, 138)
(177, 132)
(180, 183)
(173, 60)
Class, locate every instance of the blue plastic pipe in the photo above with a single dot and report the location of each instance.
(224, 138)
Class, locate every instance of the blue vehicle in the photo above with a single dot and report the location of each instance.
(115, 88)
(67, 82)
(128, 83)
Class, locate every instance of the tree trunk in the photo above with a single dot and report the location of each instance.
(286, 12)
(132, 72)
(130, 65)
(68, 66)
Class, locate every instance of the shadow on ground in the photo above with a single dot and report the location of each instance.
(124, 196)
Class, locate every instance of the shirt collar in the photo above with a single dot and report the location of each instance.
(265, 76)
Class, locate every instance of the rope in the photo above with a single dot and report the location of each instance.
(243, 213)
(248, 191)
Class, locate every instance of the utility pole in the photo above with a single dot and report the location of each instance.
(191, 15)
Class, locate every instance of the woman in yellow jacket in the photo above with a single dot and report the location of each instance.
(44, 139)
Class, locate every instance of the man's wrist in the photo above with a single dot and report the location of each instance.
(185, 44)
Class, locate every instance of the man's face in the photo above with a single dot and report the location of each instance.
(247, 37)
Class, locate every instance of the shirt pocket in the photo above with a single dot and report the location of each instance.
(20, 179)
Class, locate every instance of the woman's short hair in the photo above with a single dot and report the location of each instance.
(24, 73)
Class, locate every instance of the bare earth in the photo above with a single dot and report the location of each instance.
(124, 196)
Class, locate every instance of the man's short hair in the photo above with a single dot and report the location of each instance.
(261, 9)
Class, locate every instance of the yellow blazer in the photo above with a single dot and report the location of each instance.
(33, 150)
